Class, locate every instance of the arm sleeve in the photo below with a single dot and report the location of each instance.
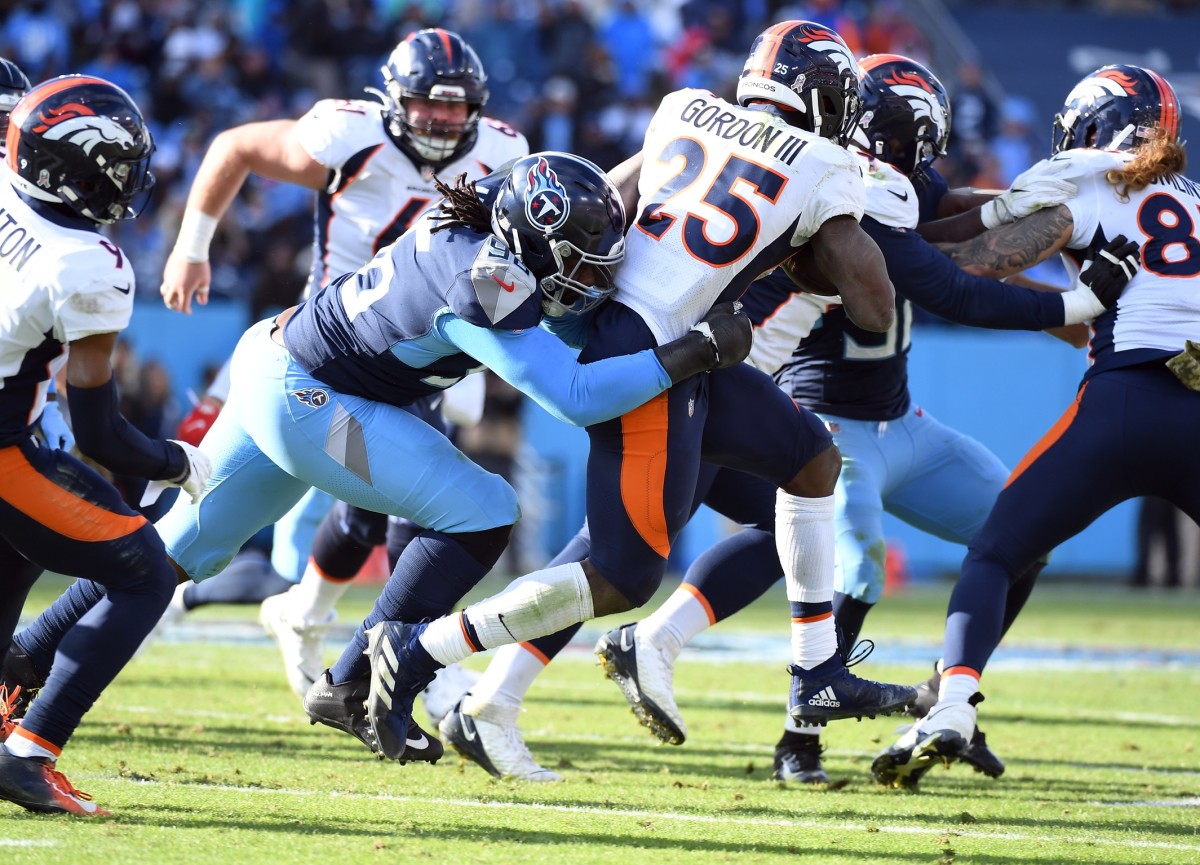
(932, 281)
(540, 365)
(104, 435)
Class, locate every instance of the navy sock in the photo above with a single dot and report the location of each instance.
(248, 579)
(976, 618)
(431, 576)
(41, 639)
(849, 614)
(736, 571)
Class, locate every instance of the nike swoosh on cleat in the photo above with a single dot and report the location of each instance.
(626, 640)
(469, 731)
(416, 743)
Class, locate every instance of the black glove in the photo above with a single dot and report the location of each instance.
(1115, 265)
(721, 339)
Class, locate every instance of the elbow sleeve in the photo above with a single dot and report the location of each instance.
(102, 434)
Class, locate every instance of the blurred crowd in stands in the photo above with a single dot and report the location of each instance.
(583, 77)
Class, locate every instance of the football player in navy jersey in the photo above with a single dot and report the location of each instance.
(1129, 431)
(78, 156)
(372, 166)
(725, 192)
(856, 381)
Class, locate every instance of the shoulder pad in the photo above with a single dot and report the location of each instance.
(503, 285)
(1078, 165)
(333, 130)
(891, 198)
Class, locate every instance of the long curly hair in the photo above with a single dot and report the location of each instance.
(460, 205)
(1152, 161)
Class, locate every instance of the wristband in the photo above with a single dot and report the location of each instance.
(195, 235)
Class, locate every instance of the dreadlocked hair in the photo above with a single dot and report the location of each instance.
(1152, 161)
(461, 206)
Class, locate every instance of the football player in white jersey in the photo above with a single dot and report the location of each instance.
(78, 156)
(725, 192)
(1130, 429)
(372, 165)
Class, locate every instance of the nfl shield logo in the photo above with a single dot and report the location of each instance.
(691, 406)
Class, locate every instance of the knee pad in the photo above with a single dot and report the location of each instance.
(484, 546)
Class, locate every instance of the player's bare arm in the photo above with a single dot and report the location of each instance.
(1011, 248)
(269, 149)
(88, 361)
(852, 261)
(625, 176)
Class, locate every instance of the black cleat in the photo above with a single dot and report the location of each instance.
(798, 758)
(400, 670)
(21, 681)
(981, 758)
(33, 783)
(341, 707)
(927, 695)
(646, 679)
(829, 692)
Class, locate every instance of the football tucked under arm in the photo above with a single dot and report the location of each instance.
(801, 268)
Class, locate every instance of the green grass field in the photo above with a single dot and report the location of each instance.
(203, 755)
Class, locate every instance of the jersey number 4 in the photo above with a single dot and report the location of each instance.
(1168, 225)
(720, 196)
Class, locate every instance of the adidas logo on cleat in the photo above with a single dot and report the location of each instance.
(825, 698)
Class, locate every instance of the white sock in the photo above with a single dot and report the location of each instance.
(804, 538)
(957, 687)
(20, 744)
(506, 680)
(315, 596)
(682, 616)
(533, 606)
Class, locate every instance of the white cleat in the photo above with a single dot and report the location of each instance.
(646, 676)
(493, 741)
(300, 641)
(943, 736)
(447, 688)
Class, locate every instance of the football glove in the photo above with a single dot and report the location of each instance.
(198, 421)
(1102, 280)
(55, 431)
(192, 481)
(721, 339)
(1040, 186)
(1186, 365)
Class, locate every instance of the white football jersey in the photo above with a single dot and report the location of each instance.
(1160, 308)
(725, 194)
(891, 200)
(376, 191)
(62, 281)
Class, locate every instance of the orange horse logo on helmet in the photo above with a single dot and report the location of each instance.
(81, 126)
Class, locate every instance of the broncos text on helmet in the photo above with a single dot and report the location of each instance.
(806, 69)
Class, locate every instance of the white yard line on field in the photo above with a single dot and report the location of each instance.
(722, 820)
(22, 842)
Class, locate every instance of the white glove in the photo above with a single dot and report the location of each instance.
(54, 427)
(191, 482)
(1043, 185)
